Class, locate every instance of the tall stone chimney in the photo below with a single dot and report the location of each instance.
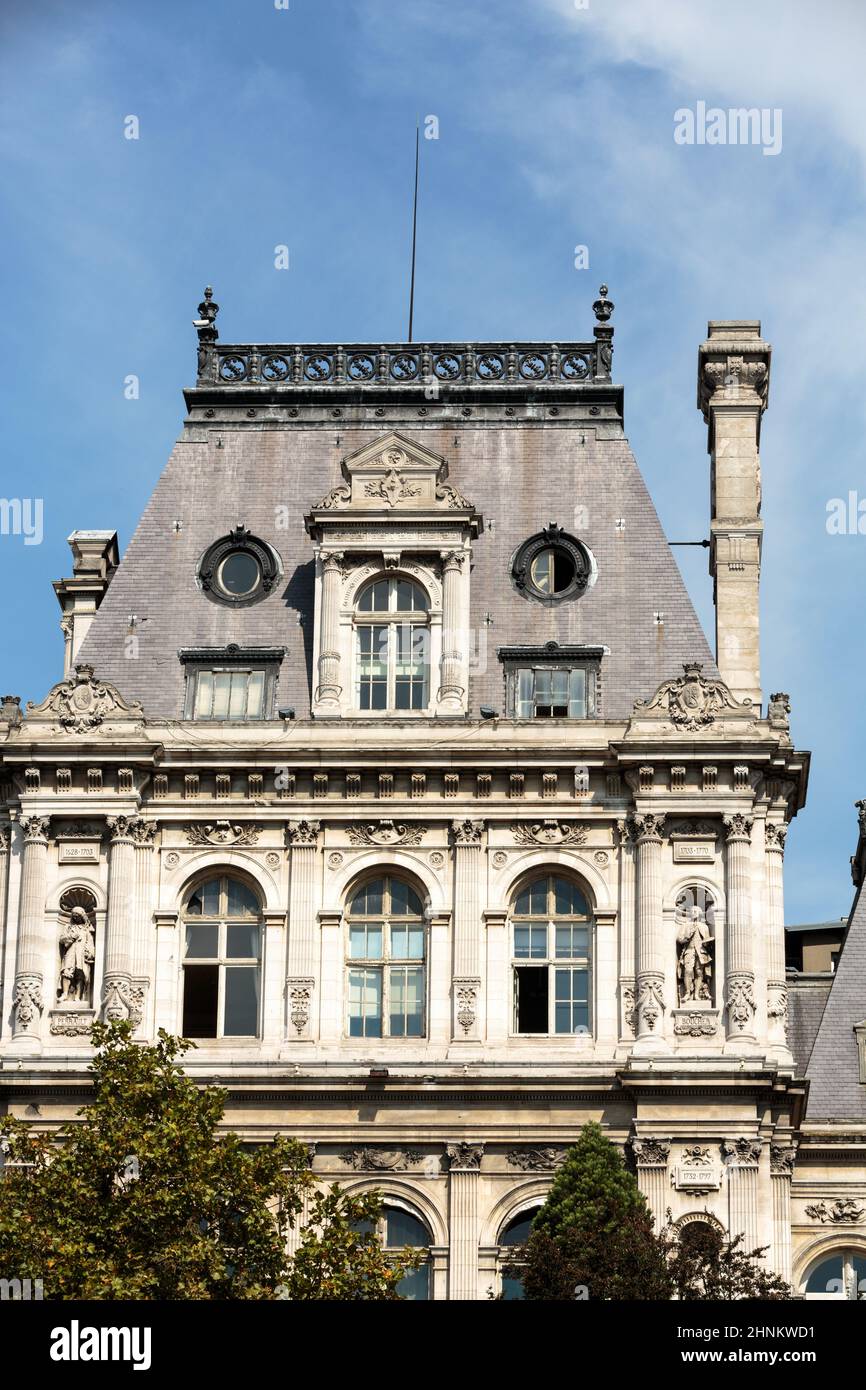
(733, 382)
(94, 560)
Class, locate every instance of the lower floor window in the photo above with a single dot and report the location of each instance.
(515, 1235)
(840, 1275)
(398, 1230)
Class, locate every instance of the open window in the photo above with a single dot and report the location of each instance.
(222, 960)
(551, 948)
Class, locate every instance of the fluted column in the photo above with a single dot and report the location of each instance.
(121, 999)
(651, 1157)
(5, 841)
(781, 1172)
(777, 990)
(303, 1217)
(650, 956)
(739, 955)
(466, 980)
(28, 1000)
(465, 1169)
(142, 952)
(302, 838)
(329, 690)
(627, 1019)
(452, 680)
(741, 1162)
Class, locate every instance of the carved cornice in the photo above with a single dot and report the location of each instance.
(81, 703)
(386, 832)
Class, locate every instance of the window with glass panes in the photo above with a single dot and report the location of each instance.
(841, 1274)
(553, 692)
(385, 967)
(551, 944)
(398, 1229)
(515, 1234)
(392, 637)
(232, 693)
(222, 959)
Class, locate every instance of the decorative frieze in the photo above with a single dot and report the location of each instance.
(375, 1160)
(843, 1212)
(223, 833)
(516, 785)
(696, 1023)
(417, 785)
(451, 784)
(386, 832)
(353, 784)
(709, 778)
(549, 832)
(543, 1160)
(483, 785)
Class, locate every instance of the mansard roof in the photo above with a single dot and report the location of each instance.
(836, 1091)
(531, 434)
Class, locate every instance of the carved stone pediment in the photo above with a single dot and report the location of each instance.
(394, 473)
(692, 701)
(81, 703)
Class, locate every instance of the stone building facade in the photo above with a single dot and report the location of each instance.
(392, 765)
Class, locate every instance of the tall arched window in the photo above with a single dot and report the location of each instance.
(398, 1229)
(392, 646)
(385, 968)
(222, 959)
(841, 1274)
(515, 1234)
(551, 944)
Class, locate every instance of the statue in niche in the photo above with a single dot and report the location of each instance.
(77, 947)
(695, 942)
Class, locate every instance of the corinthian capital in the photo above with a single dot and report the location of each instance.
(36, 829)
(775, 836)
(649, 827)
(303, 832)
(738, 827)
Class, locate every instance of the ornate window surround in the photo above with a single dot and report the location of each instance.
(197, 660)
(267, 559)
(552, 655)
(553, 537)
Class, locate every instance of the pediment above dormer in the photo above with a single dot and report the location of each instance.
(392, 473)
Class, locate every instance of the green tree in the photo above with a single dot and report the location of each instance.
(594, 1232)
(141, 1198)
(705, 1266)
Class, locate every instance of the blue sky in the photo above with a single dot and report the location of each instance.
(262, 126)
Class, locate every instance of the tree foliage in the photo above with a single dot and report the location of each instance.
(142, 1198)
(594, 1238)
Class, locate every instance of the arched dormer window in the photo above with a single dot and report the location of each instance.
(222, 960)
(551, 945)
(392, 646)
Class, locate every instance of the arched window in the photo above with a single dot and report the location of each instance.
(222, 957)
(515, 1233)
(386, 954)
(841, 1274)
(392, 646)
(398, 1229)
(551, 946)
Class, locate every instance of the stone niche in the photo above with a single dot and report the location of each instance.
(73, 1012)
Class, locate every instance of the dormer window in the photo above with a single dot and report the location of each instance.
(392, 653)
(238, 569)
(231, 683)
(552, 566)
(552, 682)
